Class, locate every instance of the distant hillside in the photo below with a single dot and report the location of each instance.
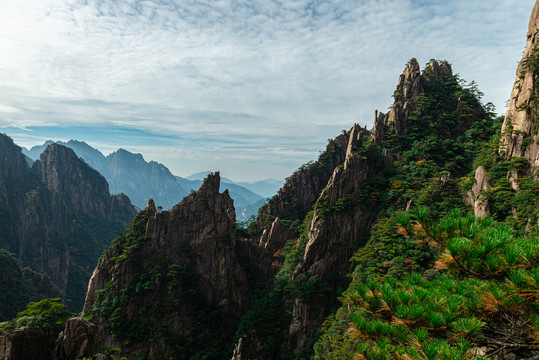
(132, 175)
(128, 173)
(266, 187)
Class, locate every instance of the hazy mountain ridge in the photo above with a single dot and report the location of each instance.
(141, 180)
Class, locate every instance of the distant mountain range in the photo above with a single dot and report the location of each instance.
(130, 174)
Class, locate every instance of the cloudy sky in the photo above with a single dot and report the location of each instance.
(253, 88)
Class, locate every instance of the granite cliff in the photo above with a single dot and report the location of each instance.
(175, 283)
(520, 128)
(508, 175)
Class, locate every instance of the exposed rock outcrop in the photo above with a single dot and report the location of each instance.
(76, 341)
(180, 264)
(476, 198)
(411, 83)
(333, 236)
(299, 193)
(521, 125)
(27, 344)
(274, 237)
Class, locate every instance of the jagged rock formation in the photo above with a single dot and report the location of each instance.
(411, 83)
(408, 87)
(411, 138)
(521, 125)
(332, 240)
(56, 218)
(298, 195)
(184, 265)
(476, 197)
(76, 341)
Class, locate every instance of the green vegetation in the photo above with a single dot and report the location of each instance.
(15, 290)
(46, 313)
(483, 272)
(474, 270)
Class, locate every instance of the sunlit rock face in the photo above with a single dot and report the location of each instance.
(521, 127)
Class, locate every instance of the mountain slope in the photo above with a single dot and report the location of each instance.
(130, 174)
(371, 252)
(414, 156)
(58, 216)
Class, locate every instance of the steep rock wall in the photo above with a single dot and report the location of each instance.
(333, 236)
(521, 127)
(184, 267)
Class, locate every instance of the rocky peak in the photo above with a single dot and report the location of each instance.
(520, 128)
(187, 257)
(411, 83)
(396, 121)
(406, 80)
(210, 186)
(439, 69)
(355, 134)
(64, 173)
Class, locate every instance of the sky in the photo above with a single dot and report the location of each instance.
(253, 88)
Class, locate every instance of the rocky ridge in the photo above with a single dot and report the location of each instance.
(332, 237)
(184, 264)
(279, 218)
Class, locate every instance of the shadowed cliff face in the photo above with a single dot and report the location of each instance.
(182, 267)
(297, 197)
(57, 217)
(521, 126)
(334, 234)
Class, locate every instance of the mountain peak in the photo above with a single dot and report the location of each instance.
(211, 184)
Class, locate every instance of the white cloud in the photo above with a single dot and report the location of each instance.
(277, 74)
